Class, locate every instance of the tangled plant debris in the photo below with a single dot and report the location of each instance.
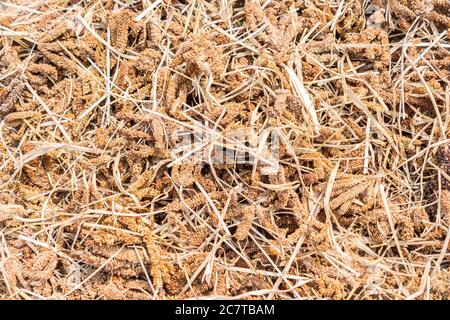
(333, 117)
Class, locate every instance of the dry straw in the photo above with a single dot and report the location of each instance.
(99, 201)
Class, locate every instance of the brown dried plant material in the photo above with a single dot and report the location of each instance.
(11, 211)
(362, 46)
(322, 166)
(200, 55)
(435, 11)
(329, 287)
(41, 267)
(246, 215)
(185, 174)
(351, 195)
(445, 206)
(101, 199)
(10, 96)
(14, 273)
(352, 19)
(379, 228)
(118, 291)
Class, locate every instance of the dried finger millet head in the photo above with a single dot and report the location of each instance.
(443, 157)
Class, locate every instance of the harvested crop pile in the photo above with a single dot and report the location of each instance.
(252, 149)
